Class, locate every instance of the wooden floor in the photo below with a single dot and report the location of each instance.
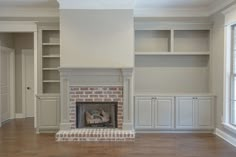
(18, 139)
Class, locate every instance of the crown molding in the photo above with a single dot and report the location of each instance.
(169, 12)
(96, 4)
(29, 12)
(219, 5)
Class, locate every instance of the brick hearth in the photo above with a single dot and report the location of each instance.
(95, 135)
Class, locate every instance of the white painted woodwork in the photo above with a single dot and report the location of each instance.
(152, 40)
(28, 82)
(49, 58)
(144, 113)
(204, 112)
(194, 113)
(110, 32)
(185, 113)
(154, 113)
(171, 74)
(191, 41)
(164, 113)
(97, 5)
(4, 85)
(48, 113)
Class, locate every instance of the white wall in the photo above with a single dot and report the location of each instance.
(218, 68)
(97, 38)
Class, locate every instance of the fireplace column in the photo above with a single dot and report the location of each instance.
(128, 99)
(64, 90)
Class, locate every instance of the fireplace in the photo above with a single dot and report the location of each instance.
(103, 93)
(96, 114)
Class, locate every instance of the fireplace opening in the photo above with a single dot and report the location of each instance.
(96, 114)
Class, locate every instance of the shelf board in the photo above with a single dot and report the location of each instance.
(51, 81)
(144, 94)
(170, 53)
(51, 56)
(50, 69)
(51, 44)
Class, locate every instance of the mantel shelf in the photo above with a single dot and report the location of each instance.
(50, 69)
(51, 81)
(51, 44)
(51, 56)
(171, 53)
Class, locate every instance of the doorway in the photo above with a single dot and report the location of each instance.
(20, 101)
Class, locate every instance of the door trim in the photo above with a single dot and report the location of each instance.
(23, 52)
(11, 81)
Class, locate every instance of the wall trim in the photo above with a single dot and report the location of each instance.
(226, 137)
(18, 26)
(19, 115)
(174, 131)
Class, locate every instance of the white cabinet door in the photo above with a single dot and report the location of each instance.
(144, 113)
(164, 113)
(204, 113)
(48, 113)
(184, 113)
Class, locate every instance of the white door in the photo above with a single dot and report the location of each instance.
(204, 112)
(28, 81)
(5, 84)
(144, 113)
(184, 112)
(164, 113)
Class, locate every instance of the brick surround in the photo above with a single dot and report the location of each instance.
(96, 94)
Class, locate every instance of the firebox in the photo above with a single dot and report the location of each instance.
(96, 114)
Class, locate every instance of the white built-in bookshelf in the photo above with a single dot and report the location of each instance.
(172, 42)
(172, 58)
(49, 43)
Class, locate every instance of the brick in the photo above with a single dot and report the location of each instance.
(79, 92)
(98, 100)
(84, 96)
(89, 92)
(98, 92)
(117, 92)
(83, 89)
(112, 96)
(93, 96)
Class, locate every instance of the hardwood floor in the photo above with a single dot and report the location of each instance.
(18, 139)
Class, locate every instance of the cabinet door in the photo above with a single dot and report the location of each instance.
(184, 113)
(144, 113)
(164, 113)
(204, 112)
(48, 113)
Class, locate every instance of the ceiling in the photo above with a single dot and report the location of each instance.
(139, 3)
(143, 8)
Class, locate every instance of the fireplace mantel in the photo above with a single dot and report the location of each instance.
(96, 77)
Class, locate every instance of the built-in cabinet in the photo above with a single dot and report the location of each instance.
(48, 77)
(154, 113)
(194, 112)
(174, 113)
(48, 114)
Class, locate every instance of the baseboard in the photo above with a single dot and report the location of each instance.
(19, 115)
(174, 131)
(225, 136)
